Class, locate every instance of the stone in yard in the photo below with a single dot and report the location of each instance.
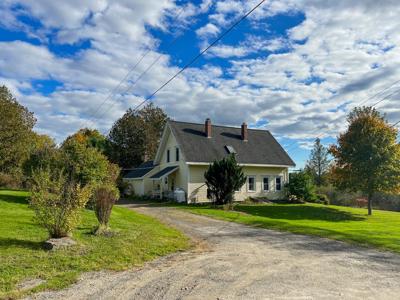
(61, 243)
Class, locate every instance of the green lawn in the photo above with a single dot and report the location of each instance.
(139, 238)
(381, 230)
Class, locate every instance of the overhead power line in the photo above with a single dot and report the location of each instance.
(393, 125)
(130, 71)
(141, 75)
(290, 146)
(115, 89)
(194, 59)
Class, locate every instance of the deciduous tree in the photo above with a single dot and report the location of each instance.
(43, 154)
(135, 136)
(89, 137)
(84, 162)
(367, 155)
(16, 123)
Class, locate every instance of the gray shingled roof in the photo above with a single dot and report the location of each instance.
(261, 147)
(164, 172)
(140, 171)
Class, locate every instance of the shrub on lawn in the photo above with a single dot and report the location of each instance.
(322, 199)
(294, 199)
(301, 185)
(57, 201)
(223, 177)
(105, 197)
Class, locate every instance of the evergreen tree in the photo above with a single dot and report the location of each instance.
(318, 164)
(223, 177)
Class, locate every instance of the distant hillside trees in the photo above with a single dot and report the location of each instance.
(318, 163)
(367, 155)
(16, 135)
(135, 136)
(16, 123)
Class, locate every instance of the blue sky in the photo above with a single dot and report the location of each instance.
(295, 68)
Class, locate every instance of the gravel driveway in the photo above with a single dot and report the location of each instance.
(233, 261)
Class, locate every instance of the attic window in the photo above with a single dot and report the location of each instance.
(230, 149)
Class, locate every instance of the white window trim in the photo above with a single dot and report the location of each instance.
(177, 150)
(276, 184)
(255, 184)
(269, 184)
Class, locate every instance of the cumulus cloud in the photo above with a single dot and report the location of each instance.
(302, 83)
(207, 31)
(249, 46)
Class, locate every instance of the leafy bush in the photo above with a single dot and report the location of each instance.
(322, 199)
(301, 185)
(85, 165)
(105, 197)
(294, 199)
(57, 202)
(10, 181)
(223, 177)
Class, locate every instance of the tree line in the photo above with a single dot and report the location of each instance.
(82, 171)
(366, 157)
(132, 139)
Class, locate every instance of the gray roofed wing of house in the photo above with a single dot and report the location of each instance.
(140, 171)
(261, 147)
(164, 172)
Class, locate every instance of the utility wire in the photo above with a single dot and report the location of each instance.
(289, 147)
(141, 75)
(380, 92)
(393, 125)
(194, 59)
(384, 98)
(115, 89)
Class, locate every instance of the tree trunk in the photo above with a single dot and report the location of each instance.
(369, 204)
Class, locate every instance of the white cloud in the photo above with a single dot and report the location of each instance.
(343, 52)
(208, 30)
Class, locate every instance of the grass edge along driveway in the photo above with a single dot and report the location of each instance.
(138, 239)
(353, 225)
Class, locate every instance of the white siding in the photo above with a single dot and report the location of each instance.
(181, 175)
(198, 189)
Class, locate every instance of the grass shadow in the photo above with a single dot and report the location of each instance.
(12, 242)
(299, 212)
(20, 199)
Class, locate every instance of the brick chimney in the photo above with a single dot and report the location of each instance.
(207, 128)
(245, 135)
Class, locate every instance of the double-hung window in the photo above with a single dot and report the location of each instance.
(278, 183)
(168, 156)
(251, 183)
(265, 183)
(177, 154)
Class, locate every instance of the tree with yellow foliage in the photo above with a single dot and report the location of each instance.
(367, 155)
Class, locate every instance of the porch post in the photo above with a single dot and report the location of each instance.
(161, 188)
